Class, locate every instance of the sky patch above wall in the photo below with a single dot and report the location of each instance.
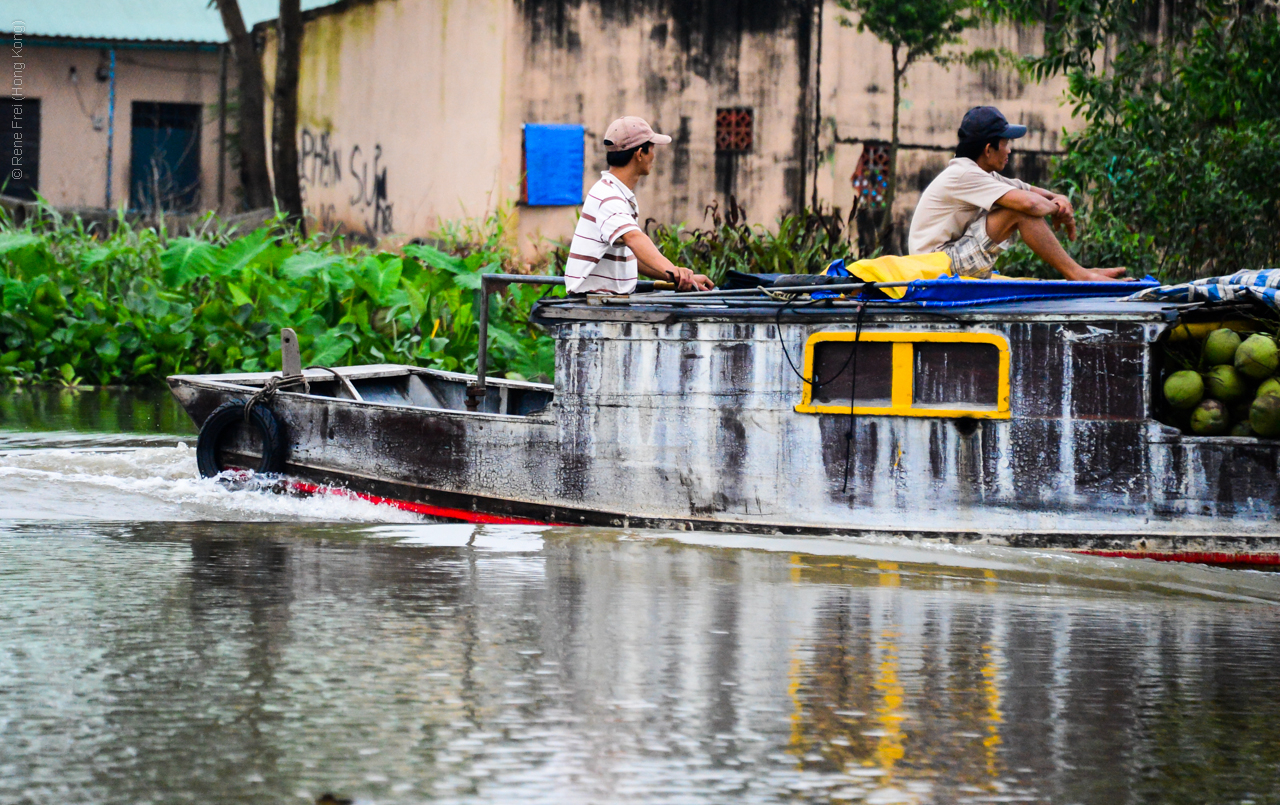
(133, 20)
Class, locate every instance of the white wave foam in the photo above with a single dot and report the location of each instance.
(155, 483)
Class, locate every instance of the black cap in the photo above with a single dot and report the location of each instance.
(982, 123)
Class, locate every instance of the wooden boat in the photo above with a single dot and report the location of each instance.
(1027, 423)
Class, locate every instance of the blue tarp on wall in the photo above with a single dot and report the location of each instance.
(553, 163)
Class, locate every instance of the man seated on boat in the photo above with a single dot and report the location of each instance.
(972, 213)
(608, 244)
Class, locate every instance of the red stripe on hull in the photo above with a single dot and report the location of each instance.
(417, 508)
(469, 516)
(1194, 557)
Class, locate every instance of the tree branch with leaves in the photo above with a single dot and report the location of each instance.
(914, 30)
(1176, 161)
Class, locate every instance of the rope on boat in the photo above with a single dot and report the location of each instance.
(267, 394)
(779, 296)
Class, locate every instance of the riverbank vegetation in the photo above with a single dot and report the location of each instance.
(797, 244)
(1175, 167)
(127, 304)
(80, 306)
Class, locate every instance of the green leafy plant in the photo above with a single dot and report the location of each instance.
(799, 244)
(134, 305)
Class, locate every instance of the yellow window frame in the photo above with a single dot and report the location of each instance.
(902, 383)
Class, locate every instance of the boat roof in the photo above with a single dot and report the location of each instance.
(669, 307)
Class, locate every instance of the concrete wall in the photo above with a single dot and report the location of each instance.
(857, 105)
(73, 117)
(400, 110)
(591, 62)
(412, 110)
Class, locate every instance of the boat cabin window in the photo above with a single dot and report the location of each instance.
(907, 374)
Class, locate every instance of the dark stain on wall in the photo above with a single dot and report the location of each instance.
(680, 153)
(1030, 168)
(705, 29)
(706, 39)
(656, 88)
(796, 176)
(680, 160)
(727, 173)
(921, 178)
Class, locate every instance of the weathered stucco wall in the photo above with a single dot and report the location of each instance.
(857, 106)
(400, 114)
(73, 150)
(411, 110)
(673, 63)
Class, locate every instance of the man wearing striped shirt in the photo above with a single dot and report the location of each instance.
(609, 248)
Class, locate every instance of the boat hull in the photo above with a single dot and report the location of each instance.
(504, 468)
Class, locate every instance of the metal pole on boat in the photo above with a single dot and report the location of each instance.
(488, 284)
(476, 393)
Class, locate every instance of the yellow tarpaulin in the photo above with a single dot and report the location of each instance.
(892, 268)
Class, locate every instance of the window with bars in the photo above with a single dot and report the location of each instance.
(907, 374)
(734, 130)
(870, 176)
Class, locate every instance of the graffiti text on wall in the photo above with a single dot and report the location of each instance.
(322, 164)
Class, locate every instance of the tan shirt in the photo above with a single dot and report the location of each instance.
(954, 200)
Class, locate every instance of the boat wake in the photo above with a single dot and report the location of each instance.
(81, 478)
(61, 477)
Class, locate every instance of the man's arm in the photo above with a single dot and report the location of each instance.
(1042, 204)
(653, 265)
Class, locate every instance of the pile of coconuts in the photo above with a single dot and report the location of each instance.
(1238, 395)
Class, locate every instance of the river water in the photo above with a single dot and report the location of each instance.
(167, 639)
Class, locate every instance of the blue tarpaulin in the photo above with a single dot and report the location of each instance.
(553, 163)
(954, 292)
(1263, 285)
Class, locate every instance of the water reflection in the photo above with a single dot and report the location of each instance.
(98, 411)
(255, 662)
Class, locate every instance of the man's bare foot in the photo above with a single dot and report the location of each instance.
(1101, 274)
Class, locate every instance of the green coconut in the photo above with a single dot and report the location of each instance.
(1264, 415)
(1184, 389)
(1269, 386)
(1210, 419)
(1220, 347)
(1257, 357)
(1224, 383)
(1241, 429)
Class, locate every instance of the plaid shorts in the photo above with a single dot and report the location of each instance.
(973, 254)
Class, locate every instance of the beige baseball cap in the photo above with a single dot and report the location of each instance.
(631, 132)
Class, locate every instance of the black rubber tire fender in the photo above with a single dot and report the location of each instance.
(224, 416)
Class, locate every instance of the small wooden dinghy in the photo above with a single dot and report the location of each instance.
(1026, 422)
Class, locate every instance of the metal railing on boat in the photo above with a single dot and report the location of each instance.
(490, 283)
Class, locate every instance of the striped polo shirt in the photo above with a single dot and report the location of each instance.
(598, 260)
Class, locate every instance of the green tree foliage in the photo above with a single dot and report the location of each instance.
(1177, 162)
(913, 30)
(138, 305)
